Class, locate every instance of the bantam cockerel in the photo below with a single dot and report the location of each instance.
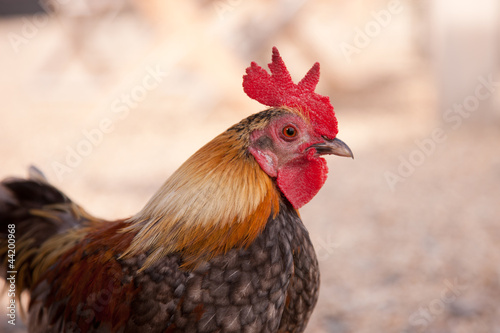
(219, 248)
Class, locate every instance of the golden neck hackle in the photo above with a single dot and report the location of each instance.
(217, 200)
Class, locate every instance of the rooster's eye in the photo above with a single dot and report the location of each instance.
(289, 131)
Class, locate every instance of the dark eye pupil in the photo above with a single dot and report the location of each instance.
(290, 131)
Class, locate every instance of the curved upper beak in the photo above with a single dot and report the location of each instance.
(333, 147)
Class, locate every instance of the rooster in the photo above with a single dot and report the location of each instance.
(219, 248)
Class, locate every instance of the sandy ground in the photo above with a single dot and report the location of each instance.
(407, 233)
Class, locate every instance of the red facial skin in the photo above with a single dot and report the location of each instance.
(299, 170)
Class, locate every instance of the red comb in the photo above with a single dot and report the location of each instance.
(278, 90)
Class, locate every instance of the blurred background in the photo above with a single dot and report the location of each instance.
(109, 97)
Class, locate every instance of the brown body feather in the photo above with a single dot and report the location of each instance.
(217, 249)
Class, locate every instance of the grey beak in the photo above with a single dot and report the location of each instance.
(334, 147)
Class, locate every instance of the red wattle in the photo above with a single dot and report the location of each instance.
(300, 180)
